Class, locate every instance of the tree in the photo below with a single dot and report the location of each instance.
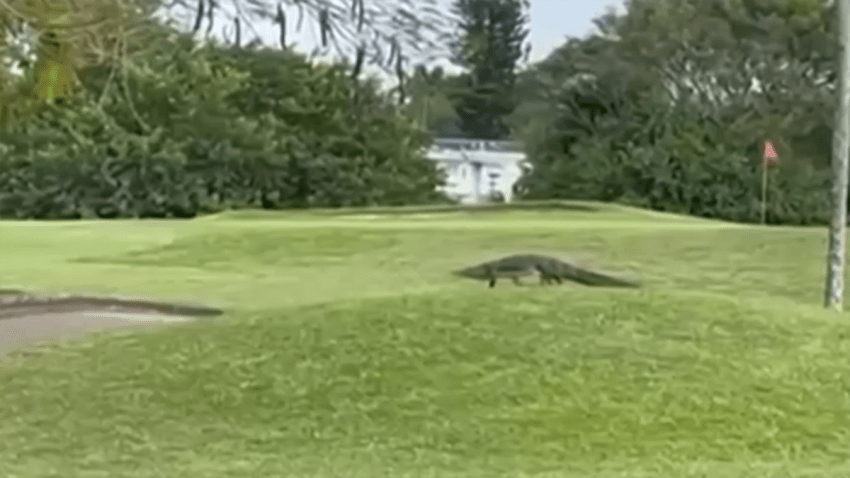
(45, 45)
(203, 128)
(739, 63)
(385, 34)
(490, 43)
(425, 88)
(429, 101)
(52, 41)
(743, 61)
(667, 105)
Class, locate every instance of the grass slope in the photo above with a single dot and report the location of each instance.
(351, 352)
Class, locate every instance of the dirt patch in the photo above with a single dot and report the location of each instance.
(27, 319)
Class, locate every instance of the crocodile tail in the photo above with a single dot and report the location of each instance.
(598, 279)
(593, 278)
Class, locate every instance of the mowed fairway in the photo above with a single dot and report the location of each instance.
(348, 350)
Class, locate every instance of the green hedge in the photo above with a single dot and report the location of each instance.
(216, 178)
(670, 159)
(195, 130)
(717, 184)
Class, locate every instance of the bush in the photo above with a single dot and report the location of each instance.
(210, 129)
(669, 159)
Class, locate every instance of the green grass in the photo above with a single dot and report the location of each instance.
(349, 351)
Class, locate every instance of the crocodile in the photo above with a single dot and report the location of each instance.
(547, 268)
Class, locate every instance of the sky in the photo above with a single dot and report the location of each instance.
(551, 22)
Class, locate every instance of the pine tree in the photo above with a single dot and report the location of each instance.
(490, 42)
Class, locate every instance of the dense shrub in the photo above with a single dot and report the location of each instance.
(670, 159)
(197, 130)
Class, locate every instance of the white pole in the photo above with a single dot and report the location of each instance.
(834, 294)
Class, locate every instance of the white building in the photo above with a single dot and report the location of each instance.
(478, 170)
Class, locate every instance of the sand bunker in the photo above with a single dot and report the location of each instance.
(27, 319)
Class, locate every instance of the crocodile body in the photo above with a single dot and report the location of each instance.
(547, 268)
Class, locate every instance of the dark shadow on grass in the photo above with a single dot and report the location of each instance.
(15, 303)
(576, 206)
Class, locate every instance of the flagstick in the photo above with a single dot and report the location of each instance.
(763, 191)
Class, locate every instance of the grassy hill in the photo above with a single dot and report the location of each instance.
(350, 351)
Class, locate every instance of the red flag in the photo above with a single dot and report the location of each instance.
(769, 155)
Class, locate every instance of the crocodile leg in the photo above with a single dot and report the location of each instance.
(492, 276)
(545, 278)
